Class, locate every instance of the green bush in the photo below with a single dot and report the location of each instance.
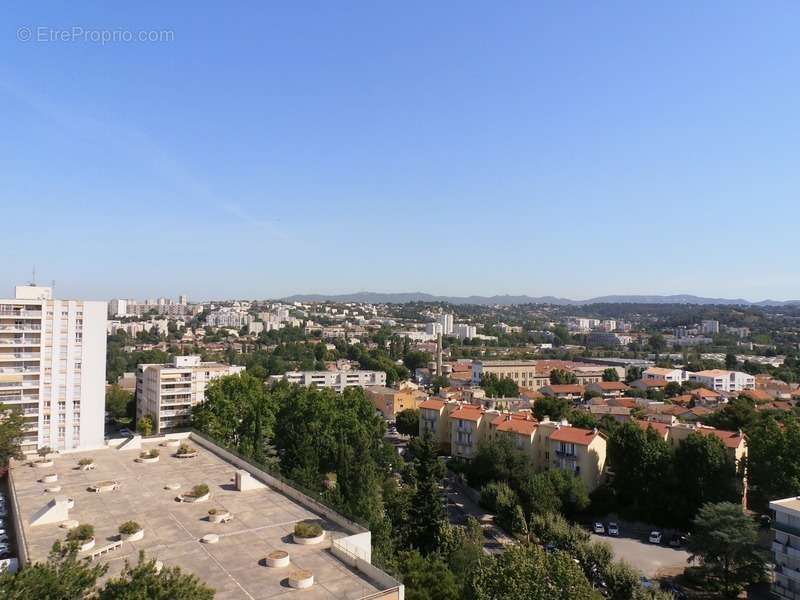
(305, 529)
(129, 527)
(150, 454)
(82, 533)
(199, 490)
(85, 461)
(185, 448)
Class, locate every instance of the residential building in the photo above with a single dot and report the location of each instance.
(786, 548)
(338, 380)
(724, 381)
(433, 418)
(446, 321)
(118, 308)
(168, 392)
(608, 389)
(567, 391)
(663, 374)
(465, 332)
(579, 451)
(53, 368)
(608, 339)
(709, 327)
(434, 329)
(469, 425)
(390, 401)
(521, 372)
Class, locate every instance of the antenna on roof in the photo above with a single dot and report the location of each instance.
(33, 280)
(53, 287)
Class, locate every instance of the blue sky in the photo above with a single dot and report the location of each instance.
(566, 148)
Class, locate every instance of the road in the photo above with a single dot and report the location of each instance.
(650, 559)
(459, 507)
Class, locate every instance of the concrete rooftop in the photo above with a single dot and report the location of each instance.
(263, 520)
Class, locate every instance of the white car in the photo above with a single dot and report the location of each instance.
(613, 529)
(655, 537)
(599, 528)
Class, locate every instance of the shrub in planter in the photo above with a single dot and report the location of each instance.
(129, 528)
(306, 530)
(82, 533)
(85, 462)
(185, 448)
(199, 490)
(153, 453)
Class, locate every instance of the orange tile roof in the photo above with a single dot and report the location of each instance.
(432, 404)
(626, 402)
(574, 435)
(610, 386)
(704, 393)
(468, 413)
(523, 424)
(660, 428)
(731, 439)
(757, 395)
(652, 382)
(567, 388)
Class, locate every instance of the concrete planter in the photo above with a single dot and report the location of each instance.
(43, 464)
(301, 579)
(220, 517)
(278, 559)
(172, 486)
(70, 503)
(50, 478)
(190, 498)
(187, 455)
(87, 545)
(210, 538)
(132, 537)
(87, 467)
(53, 489)
(305, 541)
(148, 460)
(105, 486)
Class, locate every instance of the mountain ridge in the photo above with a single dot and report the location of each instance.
(405, 297)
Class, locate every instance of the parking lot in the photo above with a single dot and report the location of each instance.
(652, 560)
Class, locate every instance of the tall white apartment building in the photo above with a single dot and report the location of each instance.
(434, 328)
(464, 331)
(53, 366)
(786, 548)
(338, 380)
(167, 392)
(446, 320)
(710, 327)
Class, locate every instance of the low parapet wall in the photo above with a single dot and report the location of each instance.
(16, 516)
(281, 486)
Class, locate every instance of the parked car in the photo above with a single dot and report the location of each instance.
(613, 529)
(677, 540)
(655, 537)
(599, 528)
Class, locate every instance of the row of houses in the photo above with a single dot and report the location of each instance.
(460, 428)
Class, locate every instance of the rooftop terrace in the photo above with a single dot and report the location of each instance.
(263, 521)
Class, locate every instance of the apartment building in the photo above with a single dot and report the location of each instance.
(662, 374)
(390, 401)
(521, 372)
(469, 425)
(433, 419)
(338, 380)
(579, 451)
(168, 392)
(52, 367)
(786, 548)
(724, 381)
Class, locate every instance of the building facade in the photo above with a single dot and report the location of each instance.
(52, 367)
(724, 381)
(786, 548)
(168, 392)
(338, 380)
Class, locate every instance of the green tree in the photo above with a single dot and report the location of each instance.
(657, 343)
(552, 407)
(61, 577)
(12, 431)
(499, 387)
(117, 400)
(428, 578)
(672, 389)
(145, 425)
(610, 375)
(526, 572)
(407, 422)
(417, 359)
(725, 543)
(427, 516)
(731, 362)
(562, 377)
(773, 470)
(145, 581)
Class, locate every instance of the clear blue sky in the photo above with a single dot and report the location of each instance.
(568, 148)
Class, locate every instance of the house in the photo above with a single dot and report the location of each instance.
(705, 397)
(607, 389)
(469, 425)
(646, 385)
(580, 451)
(390, 401)
(659, 373)
(662, 429)
(618, 413)
(433, 418)
(735, 442)
(757, 396)
(720, 380)
(569, 391)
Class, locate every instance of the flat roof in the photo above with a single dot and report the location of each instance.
(263, 520)
(792, 504)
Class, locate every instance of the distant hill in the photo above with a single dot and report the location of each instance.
(401, 298)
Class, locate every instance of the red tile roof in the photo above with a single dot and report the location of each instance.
(611, 386)
(731, 439)
(432, 404)
(567, 388)
(704, 393)
(574, 435)
(661, 428)
(468, 413)
(517, 423)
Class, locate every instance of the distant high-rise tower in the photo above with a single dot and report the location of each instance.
(446, 321)
(54, 367)
(183, 299)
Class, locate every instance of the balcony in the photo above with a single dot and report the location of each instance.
(785, 549)
(5, 312)
(786, 528)
(20, 355)
(566, 455)
(783, 591)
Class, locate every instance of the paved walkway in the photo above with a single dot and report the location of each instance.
(496, 538)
